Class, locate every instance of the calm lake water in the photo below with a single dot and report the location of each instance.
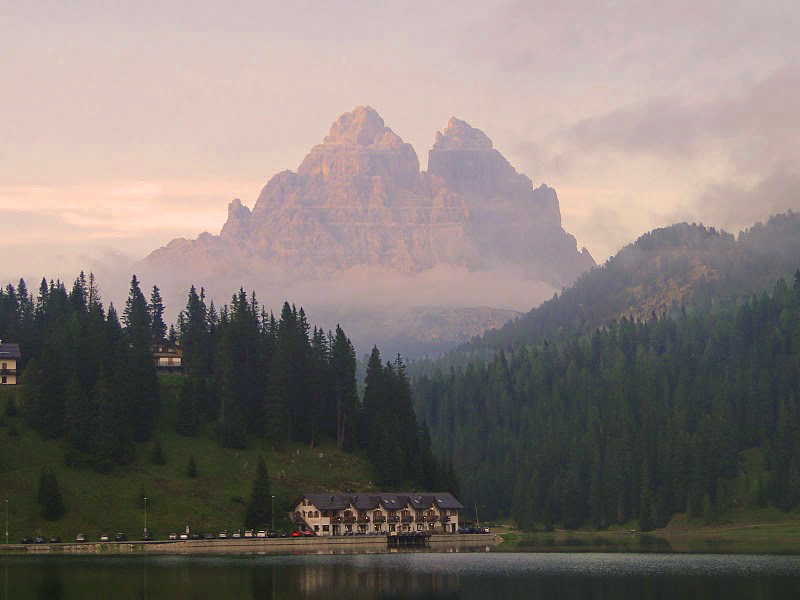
(478, 575)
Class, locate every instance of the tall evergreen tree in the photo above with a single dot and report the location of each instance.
(259, 509)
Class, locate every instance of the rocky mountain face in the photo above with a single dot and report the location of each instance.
(359, 202)
(359, 199)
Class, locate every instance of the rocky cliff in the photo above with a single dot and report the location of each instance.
(359, 199)
(359, 202)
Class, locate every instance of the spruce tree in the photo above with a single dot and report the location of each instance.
(259, 509)
(158, 328)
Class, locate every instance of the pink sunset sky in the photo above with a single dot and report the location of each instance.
(127, 124)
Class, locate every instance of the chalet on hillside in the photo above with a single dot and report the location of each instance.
(168, 356)
(340, 514)
(9, 355)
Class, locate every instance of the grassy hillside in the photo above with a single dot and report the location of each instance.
(213, 501)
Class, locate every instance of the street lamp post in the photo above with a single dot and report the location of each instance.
(272, 512)
(145, 514)
(6, 520)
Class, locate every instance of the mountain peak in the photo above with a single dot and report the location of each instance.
(460, 135)
(362, 126)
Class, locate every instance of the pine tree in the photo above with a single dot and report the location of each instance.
(259, 509)
(158, 328)
(143, 394)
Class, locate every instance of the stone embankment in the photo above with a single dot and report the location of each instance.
(318, 545)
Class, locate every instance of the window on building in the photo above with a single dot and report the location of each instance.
(326, 528)
(316, 527)
(5, 380)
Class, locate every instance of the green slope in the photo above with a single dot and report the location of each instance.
(213, 501)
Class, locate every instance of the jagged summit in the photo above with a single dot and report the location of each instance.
(359, 143)
(362, 126)
(461, 135)
(359, 199)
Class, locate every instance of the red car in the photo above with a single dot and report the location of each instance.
(297, 534)
(308, 533)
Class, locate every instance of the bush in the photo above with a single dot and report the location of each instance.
(11, 408)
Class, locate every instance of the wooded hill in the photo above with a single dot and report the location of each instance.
(680, 265)
(89, 381)
(640, 420)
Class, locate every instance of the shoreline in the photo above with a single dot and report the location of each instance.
(320, 545)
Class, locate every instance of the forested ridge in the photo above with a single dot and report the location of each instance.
(637, 421)
(89, 379)
(680, 265)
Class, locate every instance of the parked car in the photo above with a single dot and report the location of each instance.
(27, 540)
(38, 540)
(103, 537)
(236, 535)
(311, 533)
(184, 536)
(81, 538)
(146, 537)
(486, 530)
(297, 534)
(209, 536)
(173, 536)
(197, 536)
(261, 534)
(248, 533)
(283, 534)
(55, 540)
(223, 535)
(120, 537)
(272, 534)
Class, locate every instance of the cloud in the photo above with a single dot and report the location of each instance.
(760, 126)
(736, 207)
(622, 37)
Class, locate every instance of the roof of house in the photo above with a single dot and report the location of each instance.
(8, 350)
(390, 501)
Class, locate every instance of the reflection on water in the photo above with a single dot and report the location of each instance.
(406, 575)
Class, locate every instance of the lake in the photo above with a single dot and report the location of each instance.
(422, 575)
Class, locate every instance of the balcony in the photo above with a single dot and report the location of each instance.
(349, 519)
(407, 519)
(363, 520)
(8, 371)
(379, 519)
(444, 519)
(421, 518)
(394, 519)
(337, 519)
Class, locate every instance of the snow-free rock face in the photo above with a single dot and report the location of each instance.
(359, 200)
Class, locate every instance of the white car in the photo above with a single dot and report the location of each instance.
(173, 536)
(104, 537)
(184, 536)
(223, 535)
(236, 535)
(261, 534)
(248, 533)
